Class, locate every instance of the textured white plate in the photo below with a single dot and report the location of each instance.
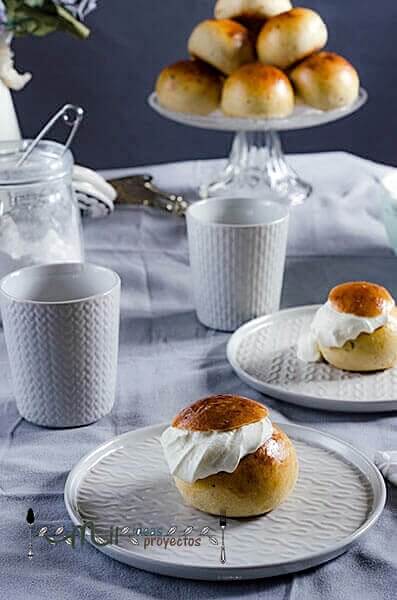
(303, 116)
(263, 354)
(339, 495)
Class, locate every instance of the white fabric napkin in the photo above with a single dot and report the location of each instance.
(386, 461)
(94, 194)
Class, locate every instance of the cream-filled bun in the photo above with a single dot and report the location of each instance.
(355, 330)
(189, 86)
(326, 81)
(250, 9)
(290, 37)
(258, 91)
(227, 457)
(224, 44)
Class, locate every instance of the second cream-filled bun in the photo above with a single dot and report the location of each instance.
(326, 81)
(224, 44)
(290, 37)
(258, 91)
(189, 86)
(262, 479)
(250, 9)
(369, 351)
(374, 351)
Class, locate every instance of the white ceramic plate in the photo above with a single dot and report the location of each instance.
(263, 354)
(303, 116)
(339, 495)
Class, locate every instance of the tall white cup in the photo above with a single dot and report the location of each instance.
(237, 252)
(61, 325)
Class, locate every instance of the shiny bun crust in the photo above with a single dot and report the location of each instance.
(368, 352)
(360, 298)
(257, 90)
(224, 44)
(189, 86)
(290, 37)
(220, 413)
(251, 9)
(260, 483)
(326, 81)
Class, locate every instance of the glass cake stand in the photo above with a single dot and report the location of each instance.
(257, 162)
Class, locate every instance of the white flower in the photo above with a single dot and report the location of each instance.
(8, 74)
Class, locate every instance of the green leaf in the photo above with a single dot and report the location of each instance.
(35, 3)
(41, 17)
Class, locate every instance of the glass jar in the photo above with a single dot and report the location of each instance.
(39, 216)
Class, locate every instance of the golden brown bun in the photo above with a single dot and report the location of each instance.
(189, 86)
(257, 90)
(326, 81)
(368, 352)
(360, 298)
(224, 44)
(220, 413)
(259, 484)
(290, 37)
(255, 9)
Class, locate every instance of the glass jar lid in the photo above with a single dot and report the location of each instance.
(48, 161)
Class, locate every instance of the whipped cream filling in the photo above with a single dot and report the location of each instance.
(332, 329)
(193, 455)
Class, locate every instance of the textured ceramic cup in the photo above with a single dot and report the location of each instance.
(237, 252)
(61, 325)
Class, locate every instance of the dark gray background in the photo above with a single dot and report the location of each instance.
(112, 73)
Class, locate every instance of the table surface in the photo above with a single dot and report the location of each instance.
(167, 360)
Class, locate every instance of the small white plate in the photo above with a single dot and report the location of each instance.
(263, 354)
(339, 495)
(303, 116)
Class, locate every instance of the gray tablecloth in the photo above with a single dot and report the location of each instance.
(167, 359)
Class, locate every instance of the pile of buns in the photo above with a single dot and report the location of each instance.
(257, 58)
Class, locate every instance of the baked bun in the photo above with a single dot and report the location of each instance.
(257, 91)
(250, 9)
(224, 44)
(369, 351)
(290, 37)
(189, 86)
(220, 413)
(261, 481)
(360, 298)
(326, 81)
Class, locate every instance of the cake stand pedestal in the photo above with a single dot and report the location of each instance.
(256, 163)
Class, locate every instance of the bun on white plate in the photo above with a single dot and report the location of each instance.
(326, 81)
(290, 37)
(224, 44)
(257, 90)
(189, 86)
(355, 330)
(227, 457)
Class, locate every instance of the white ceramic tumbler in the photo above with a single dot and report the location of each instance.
(61, 325)
(237, 252)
